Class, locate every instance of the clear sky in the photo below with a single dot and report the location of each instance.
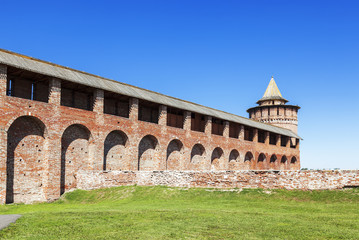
(216, 53)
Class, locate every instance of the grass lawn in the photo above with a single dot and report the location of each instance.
(135, 212)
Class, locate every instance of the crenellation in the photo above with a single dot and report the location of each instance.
(162, 115)
(98, 101)
(3, 84)
(255, 135)
(241, 133)
(287, 145)
(208, 125)
(133, 115)
(277, 141)
(226, 129)
(266, 141)
(187, 120)
(55, 92)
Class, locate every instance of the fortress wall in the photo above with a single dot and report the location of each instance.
(299, 180)
(47, 137)
(59, 141)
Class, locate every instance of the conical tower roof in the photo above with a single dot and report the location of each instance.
(272, 93)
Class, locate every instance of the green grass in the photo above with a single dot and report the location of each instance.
(135, 212)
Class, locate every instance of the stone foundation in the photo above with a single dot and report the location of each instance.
(302, 180)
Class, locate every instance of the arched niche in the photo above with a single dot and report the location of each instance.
(25, 160)
(148, 159)
(217, 159)
(198, 157)
(75, 147)
(174, 157)
(233, 160)
(116, 155)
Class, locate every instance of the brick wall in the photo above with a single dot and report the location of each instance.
(45, 145)
(284, 116)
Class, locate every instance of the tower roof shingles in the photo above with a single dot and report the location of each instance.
(272, 93)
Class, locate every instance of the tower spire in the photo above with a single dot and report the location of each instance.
(272, 93)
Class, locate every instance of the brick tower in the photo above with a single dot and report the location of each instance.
(273, 109)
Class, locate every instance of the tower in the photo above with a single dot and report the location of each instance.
(272, 109)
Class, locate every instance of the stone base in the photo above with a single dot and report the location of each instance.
(301, 180)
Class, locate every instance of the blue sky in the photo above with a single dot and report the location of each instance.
(216, 53)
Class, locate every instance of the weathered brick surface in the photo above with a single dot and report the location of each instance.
(287, 117)
(75, 140)
(304, 180)
(47, 148)
(44, 145)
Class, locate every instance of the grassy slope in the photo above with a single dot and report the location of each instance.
(164, 213)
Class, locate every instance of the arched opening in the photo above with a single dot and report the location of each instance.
(198, 159)
(174, 159)
(147, 159)
(234, 156)
(25, 157)
(273, 163)
(233, 160)
(115, 152)
(248, 161)
(293, 160)
(74, 154)
(284, 160)
(248, 157)
(273, 158)
(261, 157)
(261, 161)
(217, 159)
